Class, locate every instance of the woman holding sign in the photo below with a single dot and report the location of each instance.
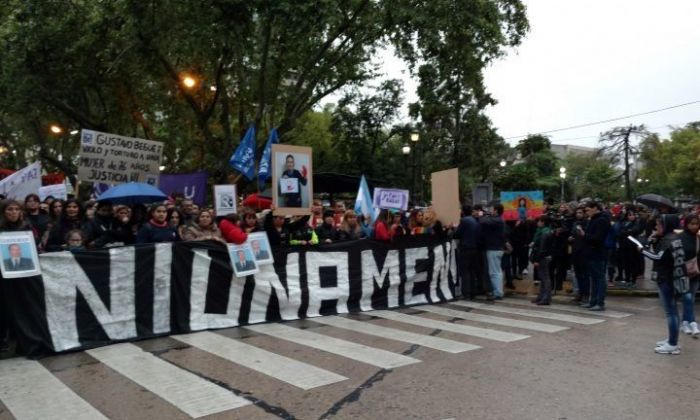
(290, 183)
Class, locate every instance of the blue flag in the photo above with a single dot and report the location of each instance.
(264, 172)
(363, 202)
(243, 159)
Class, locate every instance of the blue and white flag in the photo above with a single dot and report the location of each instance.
(243, 159)
(363, 202)
(264, 172)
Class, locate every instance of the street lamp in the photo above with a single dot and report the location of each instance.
(503, 163)
(406, 149)
(74, 132)
(415, 137)
(562, 175)
(188, 81)
(56, 129)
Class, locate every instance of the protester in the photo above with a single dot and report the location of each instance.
(11, 220)
(99, 229)
(75, 240)
(493, 237)
(176, 219)
(468, 233)
(187, 208)
(691, 249)
(541, 258)
(303, 234)
(316, 214)
(326, 231)
(381, 229)
(72, 217)
(231, 230)
(582, 287)
(350, 229)
(157, 229)
(594, 235)
(628, 255)
(365, 225)
(203, 228)
(38, 219)
(397, 229)
(250, 221)
(415, 222)
(668, 255)
(339, 208)
(559, 263)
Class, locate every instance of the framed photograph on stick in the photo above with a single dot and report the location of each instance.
(19, 255)
(292, 179)
(225, 199)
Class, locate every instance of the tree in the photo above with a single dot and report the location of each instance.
(616, 144)
(592, 176)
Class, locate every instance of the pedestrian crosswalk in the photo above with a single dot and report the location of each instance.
(465, 326)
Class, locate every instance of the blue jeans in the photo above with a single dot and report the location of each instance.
(689, 300)
(599, 286)
(495, 272)
(668, 300)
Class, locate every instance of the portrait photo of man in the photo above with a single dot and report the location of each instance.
(242, 263)
(17, 262)
(291, 182)
(258, 252)
(292, 179)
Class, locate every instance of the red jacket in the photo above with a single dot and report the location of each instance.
(232, 233)
(381, 233)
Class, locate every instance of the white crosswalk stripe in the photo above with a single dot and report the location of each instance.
(361, 353)
(575, 309)
(488, 319)
(186, 391)
(299, 374)
(26, 387)
(437, 343)
(448, 326)
(527, 312)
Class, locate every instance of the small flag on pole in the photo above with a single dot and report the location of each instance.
(264, 172)
(243, 159)
(363, 202)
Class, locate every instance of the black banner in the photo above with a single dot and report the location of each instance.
(92, 298)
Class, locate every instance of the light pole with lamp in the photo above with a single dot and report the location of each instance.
(405, 150)
(562, 175)
(414, 139)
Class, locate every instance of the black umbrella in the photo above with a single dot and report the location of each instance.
(655, 201)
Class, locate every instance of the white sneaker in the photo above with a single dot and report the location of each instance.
(685, 328)
(668, 349)
(662, 343)
(695, 330)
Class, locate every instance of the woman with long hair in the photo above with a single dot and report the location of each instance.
(415, 222)
(250, 221)
(176, 219)
(381, 226)
(72, 217)
(350, 228)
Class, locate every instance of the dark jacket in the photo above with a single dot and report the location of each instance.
(543, 247)
(493, 233)
(468, 232)
(57, 236)
(595, 234)
(324, 231)
(578, 246)
(151, 233)
(282, 237)
(663, 249)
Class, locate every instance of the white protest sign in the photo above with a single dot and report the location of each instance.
(115, 159)
(390, 198)
(57, 191)
(225, 199)
(289, 185)
(21, 183)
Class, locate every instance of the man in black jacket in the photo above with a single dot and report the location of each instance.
(594, 238)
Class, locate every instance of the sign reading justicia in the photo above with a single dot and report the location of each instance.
(115, 159)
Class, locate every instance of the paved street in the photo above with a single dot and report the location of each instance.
(509, 360)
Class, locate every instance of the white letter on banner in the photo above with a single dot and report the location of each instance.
(451, 253)
(440, 267)
(371, 276)
(63, 277)
(161, 288)
(317, 294)
(266, 280)
(199, 320)
(413, 254)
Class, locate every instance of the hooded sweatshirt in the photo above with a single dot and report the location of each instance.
(667, 252)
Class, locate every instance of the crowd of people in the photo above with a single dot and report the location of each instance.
(599, 246)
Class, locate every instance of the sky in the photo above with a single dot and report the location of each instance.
(593, 60)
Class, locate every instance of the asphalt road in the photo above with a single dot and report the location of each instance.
(501, 362)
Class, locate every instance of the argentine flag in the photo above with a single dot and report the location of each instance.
(363, 202)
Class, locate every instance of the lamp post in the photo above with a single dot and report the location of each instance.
(414, 138)
(562, 175)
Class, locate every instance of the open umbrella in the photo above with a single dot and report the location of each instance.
(655, 201)
(132, 193)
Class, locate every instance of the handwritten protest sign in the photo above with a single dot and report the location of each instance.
(115, 159)
(25, 181)
(57, 191)
(389, 198)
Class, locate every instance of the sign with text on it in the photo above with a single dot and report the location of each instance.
(25, 181)
(390, 198)
(115, 159)
(57, 191)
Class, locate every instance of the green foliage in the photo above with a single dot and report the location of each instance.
(592, 176)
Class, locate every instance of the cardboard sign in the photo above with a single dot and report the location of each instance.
(225, 199)
(390, 198)
(19, 255)
(57, 191)
(21, 183)
(115, 159)
(445, 186)
(292, 179)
